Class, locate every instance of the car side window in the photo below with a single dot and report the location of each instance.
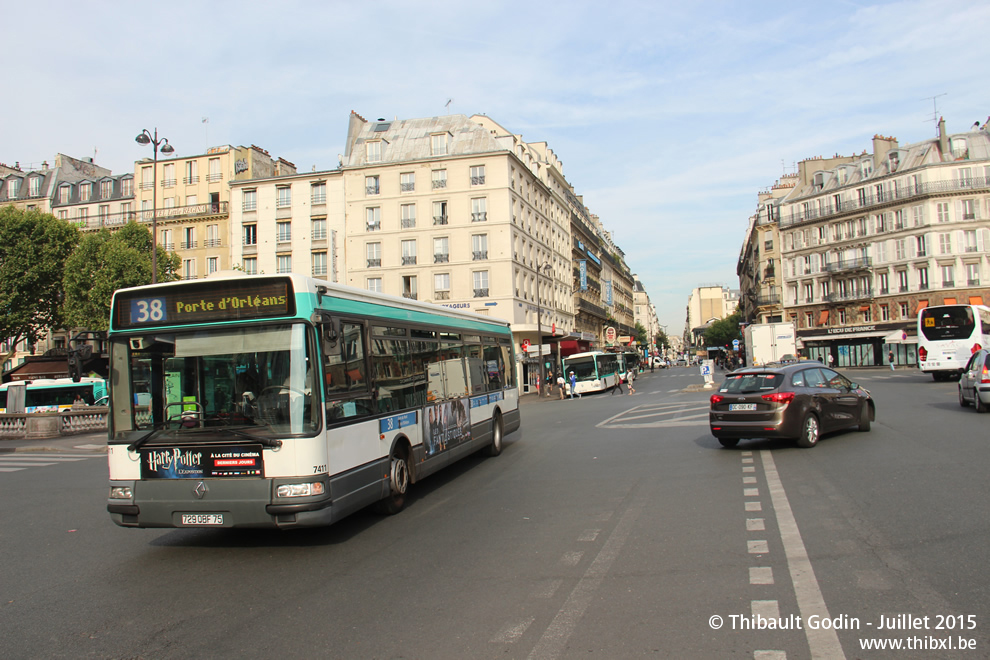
(835, 380)
(797, 380)
(813, 378)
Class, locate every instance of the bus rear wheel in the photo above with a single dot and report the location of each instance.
(398, 483)
(495, 447)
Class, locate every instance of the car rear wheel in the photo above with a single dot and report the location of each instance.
(809, 432)
(978, 403)
(728, 443)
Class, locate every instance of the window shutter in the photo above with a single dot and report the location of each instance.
(981, 240)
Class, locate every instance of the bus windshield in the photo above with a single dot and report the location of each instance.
(948, 322)
(188, 382)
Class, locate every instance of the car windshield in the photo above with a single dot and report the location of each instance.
(753, 382)
(190, 382)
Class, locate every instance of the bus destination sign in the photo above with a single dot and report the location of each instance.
(204, 303)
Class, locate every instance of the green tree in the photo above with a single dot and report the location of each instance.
(641, 335)
(104, 262)
(33, 249)
(723, 331)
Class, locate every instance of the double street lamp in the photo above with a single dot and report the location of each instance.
(545, 266)
(146, 137)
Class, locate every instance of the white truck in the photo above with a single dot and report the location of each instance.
(769, 342)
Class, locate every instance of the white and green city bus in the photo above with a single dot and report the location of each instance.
(595, 371)
(285, 401)
(55, 394)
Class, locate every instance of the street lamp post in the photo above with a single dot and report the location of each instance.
(146, 137)
(539, 324)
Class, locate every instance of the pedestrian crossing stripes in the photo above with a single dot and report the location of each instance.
(14, 462)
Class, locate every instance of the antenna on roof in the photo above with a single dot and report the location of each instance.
(447, 105)
(934, 118)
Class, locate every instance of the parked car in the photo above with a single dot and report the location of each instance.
(974, 382)
(681, 362)
(800, 400)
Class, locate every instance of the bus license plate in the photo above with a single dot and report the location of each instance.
(202, 518)
(742, 406)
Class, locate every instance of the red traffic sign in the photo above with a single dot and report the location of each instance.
(525, 345)
(610, 335)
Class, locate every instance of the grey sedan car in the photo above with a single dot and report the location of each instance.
(800, 401)
(974, 382)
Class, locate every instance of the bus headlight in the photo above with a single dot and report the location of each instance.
(121, 493)
(301, 490)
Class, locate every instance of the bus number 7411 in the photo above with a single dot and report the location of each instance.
(317, 469)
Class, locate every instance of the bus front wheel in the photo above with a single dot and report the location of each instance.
(495, 448)
(398, 483)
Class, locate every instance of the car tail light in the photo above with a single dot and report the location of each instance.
(716, 398)
(922, 354)
(779, 397)
(985, 378)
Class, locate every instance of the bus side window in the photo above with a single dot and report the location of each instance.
(345, 375)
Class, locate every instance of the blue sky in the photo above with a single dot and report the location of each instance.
(669, 117)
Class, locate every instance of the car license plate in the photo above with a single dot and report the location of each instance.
(742, 406)
(202, 518)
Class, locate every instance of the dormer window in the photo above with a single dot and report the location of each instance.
(34, 186)
(63, 194)
(374, 150)
(959, 148)
(894, 159)
(106, 189)
(866, 168)
(85, 192)
(13, 187)
(819, 181)
(438, 144)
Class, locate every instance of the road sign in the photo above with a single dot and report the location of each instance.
(525, 345)
(610, 335)
(735, 344)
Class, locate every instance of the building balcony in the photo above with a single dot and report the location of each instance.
(439, 184)
(439, 219)
(477, 181)
(409, 261)
(766, 301)
(441, 295)
(441, 258)
(188, 245)
(117, 219)
(481, 293)
(374, 263)
(190, 179)
(412, 295)
(479, 217)
(479, 255)
(861, 263)
(407, 187)
(408, 223)
(847, 296)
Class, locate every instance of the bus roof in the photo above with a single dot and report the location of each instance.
(302, 284)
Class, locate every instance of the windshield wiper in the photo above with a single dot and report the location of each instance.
(140, 441)
(273, 443)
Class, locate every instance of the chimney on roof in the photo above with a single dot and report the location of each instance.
(943, 139)
(882, 146)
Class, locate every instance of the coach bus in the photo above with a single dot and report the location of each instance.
(55, 394)
(595, 371)
(285, 401)
(948, 335)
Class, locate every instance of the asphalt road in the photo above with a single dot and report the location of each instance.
(610, 527)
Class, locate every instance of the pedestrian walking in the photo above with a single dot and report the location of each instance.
(618, 383)
(831, 360)
(549, 384)
(630, 377)
(890, 359)
(560, 384)
(574, 385)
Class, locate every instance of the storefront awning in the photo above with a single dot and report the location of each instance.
(40, 369)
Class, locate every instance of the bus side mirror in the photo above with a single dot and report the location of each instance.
(329, 333)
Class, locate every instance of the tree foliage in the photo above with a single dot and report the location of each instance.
(640, 336)
(105, 262)
(723, 331)
(34, 247)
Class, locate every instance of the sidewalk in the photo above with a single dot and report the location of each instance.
(80, 443)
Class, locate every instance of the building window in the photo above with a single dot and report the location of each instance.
(250, 202)
(188, 269)
(922, 245)
(439, 213)
(250, 265)
(945, 243)
(478, 175)
(969, 236)
(480, 283)
(407, 182)
(283, 263)
(85, 192)
(374, 151)
(188, 238)
(900, 249)
(170, 202)
(371, 185)
(923, 278)
(842, 317)
(441, 286)
(166, 242)
(868, 314)
(374, 251)
(284, 197)
(884, 312)
(409, 288)
(374, 218)
(84, 215)
(968, 209)
(125, 212)
(319, 263)
(441, 254)
(438, 144)
(972, 274)
(809, 320)
(375, 284)
(212, 236)
(104, 213)
(902, 281)
(948, 275)
(904, 310)
(319, 229)
(284, 231)
(251, 234)
(409, 253)
(63, 215)
(942, 211)
(439, 179)
(318, 193)
(809, 293)
(127, 187)
(192, 172)
(191, 200)
(408, 213)
(214, 174)
(168, 180)
(479, 209)
(884, 284)
(479, 247)
(63, 194)
(212, 264)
